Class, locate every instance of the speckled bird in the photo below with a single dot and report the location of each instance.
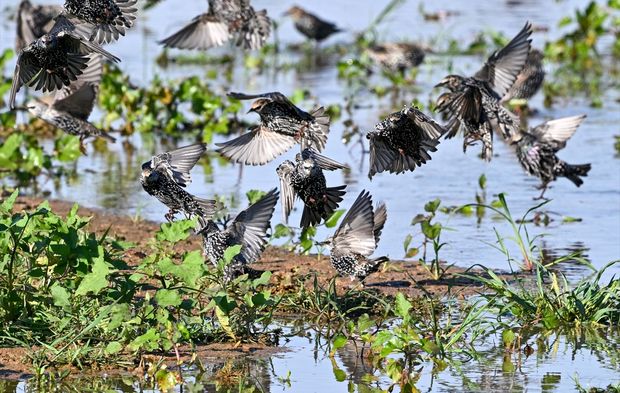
(223, 21)
(304, 178)
(165, 177)
(70, 108)
(248, 229)
(402, 141)
(537, 148)
(396, 57)
(33, 21)
(311, 25)
(104, 21)
(282, 126)
(530, 79)
(55, 60)
(473, 103)
(356, 239)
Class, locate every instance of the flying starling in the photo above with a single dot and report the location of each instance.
(282, 125)
(165, 177)
(248, 229)
(473, 102)
(103, 21)
(54, 60)
(396, 57)
(225, 19)
(311, 25)
(70, 108)
(537, 148)
(356, 239)
(403, 141)
(33, 21)
(530, 79)
(305, 178)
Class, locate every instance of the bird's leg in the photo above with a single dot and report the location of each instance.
(82, 147)
(170, 215)
(542, 187)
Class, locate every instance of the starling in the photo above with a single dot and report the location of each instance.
(537, 148)
(396, 57)
(356, 239)
(72, 105)
(165, 177)
(311, 25)
(103, 21)
(305, 178)
(248, 229)
(54, 60)
(282, 125)
(530, 79)
(403, 141)
(473, 103)
(33, 21)
(224, 20)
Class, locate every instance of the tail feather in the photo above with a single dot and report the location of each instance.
(312, 215)
(370, 266)
(574, 173)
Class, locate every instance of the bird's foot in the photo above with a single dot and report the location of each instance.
(83, 148)
(170, 215)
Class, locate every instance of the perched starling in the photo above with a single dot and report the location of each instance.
(103, 21)
(165, 177)
(282, 125)
(33, 21)
(224, 20)
(537, 148)
(311, 25)
(473, 103)
(54, 60)
(72, 105)
(530, 79)
(403, 141)
(305, 178)
(396, 57)
(248, 229)
(356, 239)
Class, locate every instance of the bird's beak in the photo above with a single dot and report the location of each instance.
(251, 110)
(286, 13)
(20, 108)
(324, 243)
(443, 82)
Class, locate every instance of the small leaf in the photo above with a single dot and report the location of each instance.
(96, 280)
(482, 181)
(432, 206)
(407, 242)
(60, 295)
(339, 342)
(402, 306)
(508, 337)
(167, 297)
(333, 219)
(231, 252)
(113, 347)
(255, 196)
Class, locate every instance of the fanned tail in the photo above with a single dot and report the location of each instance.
(574, 173)
(312, 215)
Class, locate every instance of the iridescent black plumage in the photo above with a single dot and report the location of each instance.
(33, 21)
(305, 178)
(248, 229)
(403, 141)
(473, 102)
(396, 57)
(104, 20)
(165, 177)
(537, 148)
(311, 25)
(225, 19)
(530, 79)
(282, 126)
(356, 239)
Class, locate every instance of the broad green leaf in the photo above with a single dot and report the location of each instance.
(255, 196)
(333, 219)
(508, 338)
(402, 305)
(231, 252)
(60, 296)
(339, 342)
(96, 280)
(7, 204)
(113, 347)
(168, 297)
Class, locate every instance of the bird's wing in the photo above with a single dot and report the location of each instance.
(430, 128)
(71, 35)
(256, 147)
(321, 161)
(250, 226)
(380, 218)
(203, 32)
(557, 132)
(284, 172)
(26, 69)
(121, 17)
(381, 155)
(356, 232)
(502, 67)
(78, 98)
(177, 163)
(466, 104)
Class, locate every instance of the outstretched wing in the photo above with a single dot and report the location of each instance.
(429, 127)
(26, 69)
(177, 163)
(557, 132)
(321, 161)
(380, 218)
(78, 98)
(381, 155)
(502, 67)
(356, 232)
(285, 171)
(203, 32)
(256, 147)
(276, 97)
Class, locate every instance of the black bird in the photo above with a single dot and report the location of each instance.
(54, 60)
(305, 178)
(33, 21)
(356, 239)
(103, 21)
(248, 229)
(473, 103)
(311, 25)
(225, 19)
(70, 108)
(166, 175)
(403, 141)
(396, 57)
(530, 79)
(282, 126)
(537, 148)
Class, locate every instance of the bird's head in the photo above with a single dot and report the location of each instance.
(451, 82)
(295, 12)
(535, 56)
(259, 105)
(35, 107)
(326, 243)
(306, 167)
(147, 169)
